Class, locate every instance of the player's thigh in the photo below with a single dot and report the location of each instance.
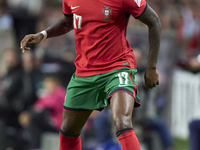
(122, 105)
(73, 122)
(123, 80)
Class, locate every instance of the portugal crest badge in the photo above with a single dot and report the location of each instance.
(107, 12)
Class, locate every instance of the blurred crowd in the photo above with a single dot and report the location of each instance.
(181, 18)
(32, 85)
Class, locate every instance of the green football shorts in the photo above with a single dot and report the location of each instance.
(94, 92)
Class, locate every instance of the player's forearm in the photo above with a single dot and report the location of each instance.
(64, 25)
(154, 43)
(151, 19)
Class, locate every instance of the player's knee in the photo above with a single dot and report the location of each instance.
(64, 126)
(122, 122)
(69, 129)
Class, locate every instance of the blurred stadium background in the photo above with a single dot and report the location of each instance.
(24, 78)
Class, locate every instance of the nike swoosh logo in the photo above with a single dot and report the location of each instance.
(74, 7)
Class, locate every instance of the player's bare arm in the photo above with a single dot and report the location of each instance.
(64, 25)
(151, 19)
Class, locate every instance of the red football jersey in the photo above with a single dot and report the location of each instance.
(100, 34)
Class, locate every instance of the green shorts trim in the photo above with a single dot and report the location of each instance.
(94, 92)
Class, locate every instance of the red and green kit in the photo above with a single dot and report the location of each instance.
(100, 38)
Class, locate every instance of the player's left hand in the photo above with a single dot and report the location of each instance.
(151, 78)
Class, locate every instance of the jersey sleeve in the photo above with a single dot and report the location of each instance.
(135, 7)
(66, 8)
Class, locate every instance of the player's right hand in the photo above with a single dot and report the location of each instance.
(30, 39)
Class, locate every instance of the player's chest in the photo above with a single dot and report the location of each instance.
(96, 10)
